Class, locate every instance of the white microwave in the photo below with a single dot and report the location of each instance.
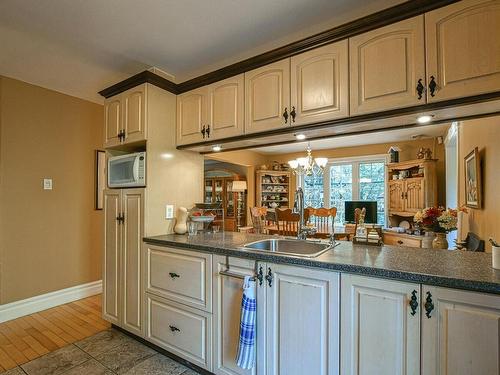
(127, 170)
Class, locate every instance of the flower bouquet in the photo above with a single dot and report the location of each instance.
(437, 219)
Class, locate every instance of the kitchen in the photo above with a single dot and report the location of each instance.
(378, 121)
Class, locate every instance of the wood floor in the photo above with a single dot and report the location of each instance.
(32, 336)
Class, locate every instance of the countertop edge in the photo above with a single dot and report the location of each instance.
(433, 280)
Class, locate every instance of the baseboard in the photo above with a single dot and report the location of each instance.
(31, 305)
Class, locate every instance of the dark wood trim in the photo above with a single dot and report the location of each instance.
(355, 119)
(373, 21)
(163, 351)
(138, 79)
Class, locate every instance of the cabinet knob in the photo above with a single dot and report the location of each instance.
(420, 89)
(413, 303)
(203, 131)
(174, 328)
(293, 114)
(429, 305)
(173, 275)
(269, 277)
(208, 131)
(432, 86)
(400, 242)
(285, 115)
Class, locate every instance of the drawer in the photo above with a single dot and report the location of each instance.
(179, 275)
(394, 240)
(181, 330)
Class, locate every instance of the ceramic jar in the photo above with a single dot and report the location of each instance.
(440, 242)
(181, 226)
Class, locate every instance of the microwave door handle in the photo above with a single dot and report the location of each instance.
(136, 169)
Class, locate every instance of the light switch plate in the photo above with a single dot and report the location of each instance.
(169, 211)
(47, 184)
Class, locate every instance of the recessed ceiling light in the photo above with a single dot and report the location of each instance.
(424, 119)
(216, 148)
(300, 136)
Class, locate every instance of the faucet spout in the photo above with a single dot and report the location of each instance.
(298, 208)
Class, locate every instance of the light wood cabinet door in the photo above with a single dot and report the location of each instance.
(112, 257)
(133, 231)
(227, 309)
(135, 116)
(463, 48)
(319, 84)
(302, 321)
(461, 334)
(396, 196)
(386, 65)
(192, 116)
(112, 121)
(379, 334)
(414, 195)
(226, 107)
(267, 97)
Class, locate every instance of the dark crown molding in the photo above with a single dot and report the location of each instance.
(373, 21)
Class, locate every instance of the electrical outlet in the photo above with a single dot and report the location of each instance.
(47, 184)
(169, 211)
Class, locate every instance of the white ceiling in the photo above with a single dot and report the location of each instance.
(388, 136)
(82, 46)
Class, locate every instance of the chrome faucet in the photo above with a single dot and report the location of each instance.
(298, 208)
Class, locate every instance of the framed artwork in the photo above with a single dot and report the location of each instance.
(473, 180)
(100, 178)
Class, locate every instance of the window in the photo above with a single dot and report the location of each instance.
(345, 181)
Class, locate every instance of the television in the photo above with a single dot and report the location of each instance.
(371, 211)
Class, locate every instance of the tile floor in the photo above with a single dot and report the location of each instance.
(106, 353)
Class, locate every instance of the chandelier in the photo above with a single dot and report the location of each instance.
(308, 166)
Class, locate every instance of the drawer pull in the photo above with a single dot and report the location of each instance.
(174, 328)
(413, 303)
(400, 242)
(429, 305)
(173, 275)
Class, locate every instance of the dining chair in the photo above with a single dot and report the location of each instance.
(287, 222)
(323, 219)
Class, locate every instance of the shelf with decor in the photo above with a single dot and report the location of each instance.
(272, 189)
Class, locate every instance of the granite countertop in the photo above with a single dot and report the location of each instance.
(453, 269)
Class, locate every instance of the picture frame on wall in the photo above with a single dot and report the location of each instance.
(100, 178)
(472, 168)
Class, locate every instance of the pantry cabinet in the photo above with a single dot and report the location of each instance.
(386, 67)
(463, 49)
(267, 97)
(460, 332)
(124, 229)
(125, 117)
(227, 297)
(319, 84)
(380, 326)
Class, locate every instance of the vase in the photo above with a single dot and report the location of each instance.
(440, 242)
(427, 240)
(181, 226)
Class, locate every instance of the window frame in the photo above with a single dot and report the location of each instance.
(355, 161)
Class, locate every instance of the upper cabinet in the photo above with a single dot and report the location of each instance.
(463, 49)
(267, 97)
(192, 116)
(319, 84)
(387, 66)
(211, 112)
(125, 117)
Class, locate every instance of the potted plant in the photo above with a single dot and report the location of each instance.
(438, 220)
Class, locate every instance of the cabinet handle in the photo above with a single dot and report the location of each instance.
(173, 275)
(400, 242)
(293, 114)
(260, 276)
(413, 303)
(402, 195)
(269, 277)
(120, 218)
(285, 115)
(203, 131)
(432, 86)
(406, 195)
(429, 305)
(174, 328)
(420, 89)
(208, 131)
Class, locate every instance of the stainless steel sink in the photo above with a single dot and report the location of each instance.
(287, 246)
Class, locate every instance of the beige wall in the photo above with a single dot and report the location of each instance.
(409, 151)
(484, 134)
(49, 240)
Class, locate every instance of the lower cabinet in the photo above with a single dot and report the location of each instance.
(297, 319)
(460, 332)
(380, 331)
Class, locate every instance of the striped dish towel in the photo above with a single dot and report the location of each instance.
(246, 347)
